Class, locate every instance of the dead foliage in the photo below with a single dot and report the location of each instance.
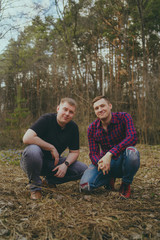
(64, 213)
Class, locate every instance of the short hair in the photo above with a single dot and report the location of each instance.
(100, 97)
(70, 101)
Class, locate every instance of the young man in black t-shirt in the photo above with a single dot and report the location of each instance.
(47, 138)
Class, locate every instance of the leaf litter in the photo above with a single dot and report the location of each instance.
(65, 213)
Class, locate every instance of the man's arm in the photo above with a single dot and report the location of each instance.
(130, 136)
(72, 156)
(30, 137)
(62, 168)
(94, 153)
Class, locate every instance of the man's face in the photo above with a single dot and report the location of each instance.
(102, 109)
(65, 113)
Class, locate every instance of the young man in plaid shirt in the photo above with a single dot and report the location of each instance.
(111, 138)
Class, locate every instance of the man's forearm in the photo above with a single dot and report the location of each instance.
(30, 137)
(108, 154)
(41, 143)
(118, 149)
(94, 158)
(72, 157)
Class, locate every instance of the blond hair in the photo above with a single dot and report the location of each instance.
(70, 101)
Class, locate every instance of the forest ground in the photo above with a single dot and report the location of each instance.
(64, 213)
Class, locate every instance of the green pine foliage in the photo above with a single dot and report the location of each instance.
(89, 48)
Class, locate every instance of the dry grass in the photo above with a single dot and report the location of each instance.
(64, 213)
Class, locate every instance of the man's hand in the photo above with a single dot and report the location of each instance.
(55, 155)
(104, 163)
(61, 170)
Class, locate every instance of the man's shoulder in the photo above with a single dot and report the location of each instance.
(72, 124)
(45, 121)
(120, 116)
(49, 116)
(94, 124)
(118, 113)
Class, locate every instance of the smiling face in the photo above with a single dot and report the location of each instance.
(102, 109)
(65, 113)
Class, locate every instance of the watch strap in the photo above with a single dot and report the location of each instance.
(66, 163)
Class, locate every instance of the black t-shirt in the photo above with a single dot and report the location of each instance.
(47, 128)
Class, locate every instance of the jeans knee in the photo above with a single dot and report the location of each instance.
(32, 158)
(79, 168)
(91, 179)
(32, 151)
(132, 154)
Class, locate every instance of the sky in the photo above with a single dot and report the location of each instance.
(16, 14)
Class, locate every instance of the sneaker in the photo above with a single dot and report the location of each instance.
(125, 191)
(36, 195)
(110, 186)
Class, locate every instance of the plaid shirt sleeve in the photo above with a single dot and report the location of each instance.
(93, 145)
(130, 136)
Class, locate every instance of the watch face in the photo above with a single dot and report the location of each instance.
(67, 163)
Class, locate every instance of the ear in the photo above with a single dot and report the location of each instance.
(58, 108)
(110, 106)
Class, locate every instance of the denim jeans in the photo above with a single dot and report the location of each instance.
(34, 165)
(124, 167)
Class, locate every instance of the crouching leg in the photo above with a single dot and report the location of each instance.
(92, 179)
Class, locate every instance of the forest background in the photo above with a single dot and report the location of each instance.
(92, 47)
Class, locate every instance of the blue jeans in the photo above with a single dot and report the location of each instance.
(124, 167)
(34, 165)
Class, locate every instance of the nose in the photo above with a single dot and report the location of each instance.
(67, 113)
(100, 109)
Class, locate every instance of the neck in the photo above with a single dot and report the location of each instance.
(62, 125)
(106, 121)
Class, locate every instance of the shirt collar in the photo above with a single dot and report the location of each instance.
(58, 126)
(114, 120)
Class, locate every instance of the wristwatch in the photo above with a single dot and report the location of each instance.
(67, 163)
